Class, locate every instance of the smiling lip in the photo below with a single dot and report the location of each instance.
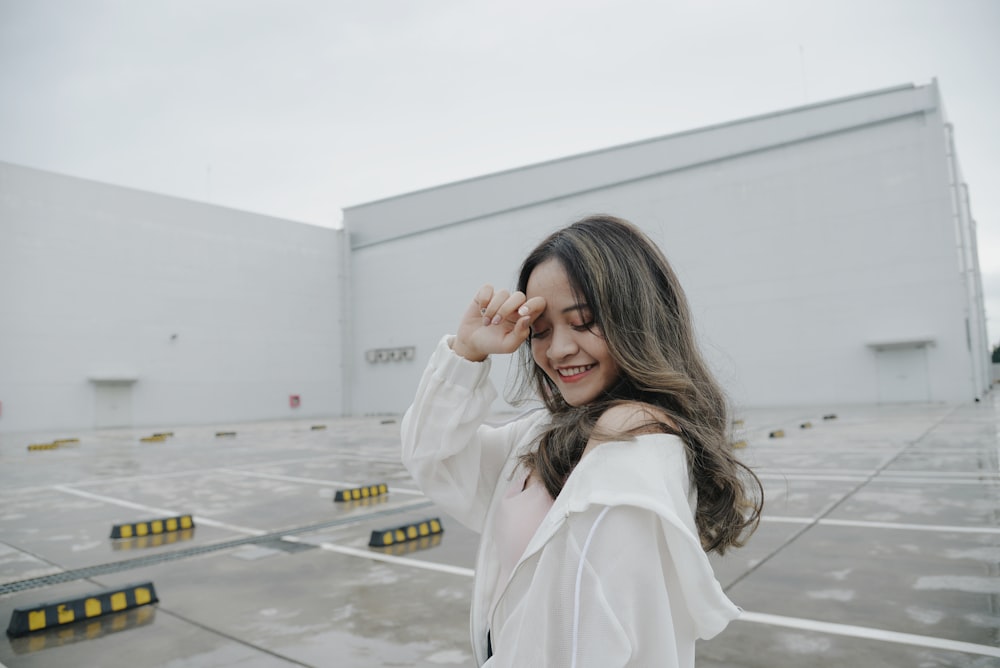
(574, 373)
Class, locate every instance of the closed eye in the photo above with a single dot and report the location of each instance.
(538, 335)
(585, 327)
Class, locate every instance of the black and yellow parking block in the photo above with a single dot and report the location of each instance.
(806, 425)
(153, 439)
(153, 540)
(53, 445)
(384, 537)
(361, 492)
(152, 527)
(48, 615)
(831, 416)
(164, 433)
(318, 427)
(777, 433)
(410, 546)
(739, 445)
(43, 446)
(225, 433)
(86, 630)
(370, 502)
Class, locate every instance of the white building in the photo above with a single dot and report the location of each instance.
(828, 253)
(120, 307)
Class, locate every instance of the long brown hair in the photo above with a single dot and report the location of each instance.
(639, 308)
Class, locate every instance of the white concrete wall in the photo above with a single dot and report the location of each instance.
(797, 259)
(96, 281)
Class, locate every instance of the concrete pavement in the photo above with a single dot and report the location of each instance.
(880, 545)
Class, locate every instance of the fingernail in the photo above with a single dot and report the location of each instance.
(486, 321)
(523, 310)
(497, 319)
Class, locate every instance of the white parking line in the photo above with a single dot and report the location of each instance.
(768, 447)
(763, 475)
(104, 481)
(812, 471)
(328, 455)
(861, 524)
(203, 471)
(198, 519)
(117, 502)
(777, 475)
(378, 556)
(776, 448)
(787, 520)
(935, 481)
(316, 481)
(910, 527)
(347, 455)
(865, 473)
(991, 475)
(870, 633)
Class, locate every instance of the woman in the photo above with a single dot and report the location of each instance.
(596, 513)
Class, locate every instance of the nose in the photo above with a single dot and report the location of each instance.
(563, 344)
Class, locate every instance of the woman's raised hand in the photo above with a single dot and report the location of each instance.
(496, 321)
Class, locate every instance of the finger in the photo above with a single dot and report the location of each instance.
(522, 329)
(499, 297)
(509, 308)
(483, 297)
(533, 307)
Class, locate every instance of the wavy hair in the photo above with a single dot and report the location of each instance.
(639, 308)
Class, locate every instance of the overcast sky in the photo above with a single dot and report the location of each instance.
(299, 108)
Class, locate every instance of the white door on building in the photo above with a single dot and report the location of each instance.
(113, 404)
(902, 375)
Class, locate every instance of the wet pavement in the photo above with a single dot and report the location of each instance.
(880, 545)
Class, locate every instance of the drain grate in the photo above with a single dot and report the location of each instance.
(272, 540)
(287, 545)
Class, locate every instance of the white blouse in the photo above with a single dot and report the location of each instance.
(615, 574)
(524, 505)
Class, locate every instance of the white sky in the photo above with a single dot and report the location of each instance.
(299, 108)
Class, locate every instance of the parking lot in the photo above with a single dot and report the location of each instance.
(880, 545)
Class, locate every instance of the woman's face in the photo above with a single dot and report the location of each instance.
(564, 342)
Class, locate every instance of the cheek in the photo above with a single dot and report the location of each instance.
(604, 355)
(614, 372)
(537, 353)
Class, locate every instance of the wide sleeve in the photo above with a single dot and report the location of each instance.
(455, 458)
(608, 592)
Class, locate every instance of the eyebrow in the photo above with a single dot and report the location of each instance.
(569, 309)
